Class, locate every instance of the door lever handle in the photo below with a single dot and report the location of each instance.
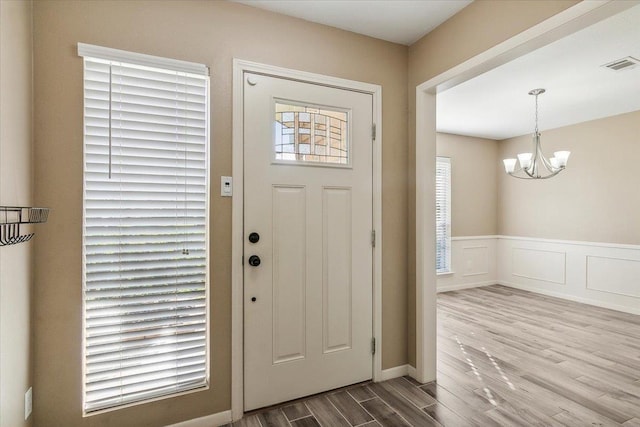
(254, 260)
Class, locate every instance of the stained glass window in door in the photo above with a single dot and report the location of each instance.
(311, 134)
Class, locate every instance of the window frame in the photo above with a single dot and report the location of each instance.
(104, 54)
(283, 162)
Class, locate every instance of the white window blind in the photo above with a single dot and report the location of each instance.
(443, 215)
(145, 228)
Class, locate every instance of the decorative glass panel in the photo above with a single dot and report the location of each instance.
(311, 134)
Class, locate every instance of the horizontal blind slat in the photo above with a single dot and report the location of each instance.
(145, 390)
(113, 349)
(97, 361)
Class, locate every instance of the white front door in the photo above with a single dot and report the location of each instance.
(308, 203)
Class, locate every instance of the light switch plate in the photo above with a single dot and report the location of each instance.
(226, 186)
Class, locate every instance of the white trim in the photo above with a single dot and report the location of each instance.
(377, 226)
(237, 225)
(237, 349)
(588, 301)
(480, 273)
(572, 242)
(547, 240)
(566, 22)
(466, 286)
(411, 371)
(398, 371)
(446, 273)
(474, 237)
(110, 54)
(304, 76)
(426, 279)
(212, 420)
(395, 372)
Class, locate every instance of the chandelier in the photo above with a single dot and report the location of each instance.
(534, 165)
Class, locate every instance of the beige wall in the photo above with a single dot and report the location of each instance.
(474, 174)
(595, 199)
(15, 189)
(476, 28)
(210, 32)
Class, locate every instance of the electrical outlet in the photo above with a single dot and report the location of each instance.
(28, 403)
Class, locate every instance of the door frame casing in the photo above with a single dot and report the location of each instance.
(567, 22)
(237, 272)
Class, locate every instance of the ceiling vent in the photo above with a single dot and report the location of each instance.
(622, 64)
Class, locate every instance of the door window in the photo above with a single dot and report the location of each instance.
(310, 134)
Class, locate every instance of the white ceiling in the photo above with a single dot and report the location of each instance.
(398, 21)
(496, 105)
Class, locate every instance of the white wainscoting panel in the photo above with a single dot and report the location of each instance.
(536, 264)
(601, 274)
(476, 260)
(615, 275)
(473, 263)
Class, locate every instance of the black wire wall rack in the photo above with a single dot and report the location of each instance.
(12, 217)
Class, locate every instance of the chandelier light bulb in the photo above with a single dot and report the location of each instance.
(509, 165)
(562, 157)
(525, 160)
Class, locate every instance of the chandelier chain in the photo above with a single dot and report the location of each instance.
(536, 129)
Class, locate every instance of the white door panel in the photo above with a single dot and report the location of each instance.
(309, 328)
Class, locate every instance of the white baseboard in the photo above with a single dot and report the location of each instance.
(465, 286)
(588, 301)
(212, 420)
(399, 371)
(395, 372)
(411, 371)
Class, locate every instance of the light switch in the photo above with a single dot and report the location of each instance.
(226, 186)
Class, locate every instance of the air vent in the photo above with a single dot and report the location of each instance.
(622, 64)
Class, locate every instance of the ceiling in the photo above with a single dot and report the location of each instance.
(398, 21)
(496, 105)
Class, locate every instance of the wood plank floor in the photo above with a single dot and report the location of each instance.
(505, 358)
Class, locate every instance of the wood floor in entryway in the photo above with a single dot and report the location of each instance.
(505, 358)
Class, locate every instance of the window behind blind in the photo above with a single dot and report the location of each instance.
(443, 215)
(145, 243)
